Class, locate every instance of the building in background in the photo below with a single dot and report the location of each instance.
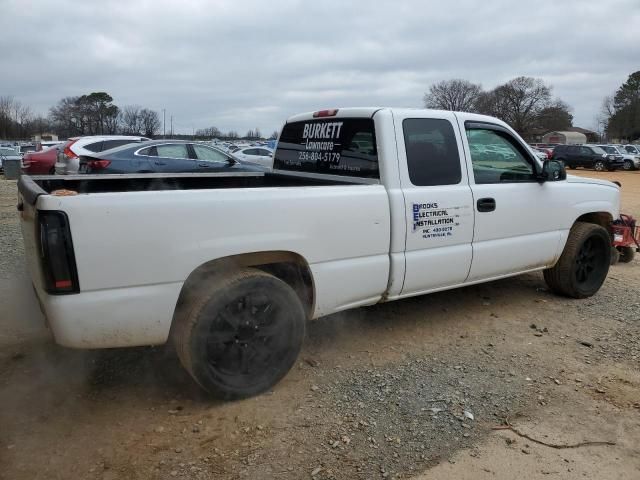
(45, 137)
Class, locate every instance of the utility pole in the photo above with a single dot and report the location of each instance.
(171, 126)
(163, 123)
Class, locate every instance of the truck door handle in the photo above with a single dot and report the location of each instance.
(158, 162)
(204, 164)
(486, 204)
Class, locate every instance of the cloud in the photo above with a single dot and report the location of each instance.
(246, 64)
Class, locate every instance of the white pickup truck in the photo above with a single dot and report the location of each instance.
(364, 205)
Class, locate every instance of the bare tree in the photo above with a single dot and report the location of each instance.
(556, 116)
(518, 102)
(210, 132)
(274, 135)
(607, 110)
(456, 95)
(131, 120)
(150, 122)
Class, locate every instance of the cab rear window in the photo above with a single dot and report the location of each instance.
(336, 146)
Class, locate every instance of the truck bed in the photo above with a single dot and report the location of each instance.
(32, 187)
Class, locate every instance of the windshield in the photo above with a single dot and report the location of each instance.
(599, 150)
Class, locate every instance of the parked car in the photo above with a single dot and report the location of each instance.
(230, 269)
(587, 156)
(630, 161)
(24, 149)
(547, 151)
(67, 161)
(539, 153)
(47, 143)
(40, 163)
(162, 156)
(260, 155)
(8, 153)
(632, 149)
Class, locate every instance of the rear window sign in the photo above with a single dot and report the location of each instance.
(344, 147)
(319, 142)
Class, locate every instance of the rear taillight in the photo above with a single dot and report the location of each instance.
(56, 253)
(98, 164)
(67, 150)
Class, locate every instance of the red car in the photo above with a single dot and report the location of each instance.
(40, 163)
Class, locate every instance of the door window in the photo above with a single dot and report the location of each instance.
(503, 161)
(149, 151)
(94, 147)
(172, 151)
(209, 154)
(109, 144)
(432, 152)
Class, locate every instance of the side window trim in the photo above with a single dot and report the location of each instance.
(191, 152)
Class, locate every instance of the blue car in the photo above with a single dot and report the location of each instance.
(163, 156)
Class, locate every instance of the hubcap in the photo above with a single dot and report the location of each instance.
(244, 336)
(627, 165)
(599, 166)
(586, 261)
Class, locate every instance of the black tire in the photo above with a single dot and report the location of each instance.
(584, 263)
(626, 254)
(241, 334)
(615, 256)
(599, 166)
(628, 165)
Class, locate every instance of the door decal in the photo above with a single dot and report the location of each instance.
(434, 221)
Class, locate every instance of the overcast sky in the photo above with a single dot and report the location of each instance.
(246, 64)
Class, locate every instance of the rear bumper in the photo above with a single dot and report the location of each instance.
(122, 317)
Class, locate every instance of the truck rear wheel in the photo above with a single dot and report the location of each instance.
(626, 254)
(242, 334)
(584, 263)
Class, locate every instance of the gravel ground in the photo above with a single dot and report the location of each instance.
(383, 392)
(12, 250)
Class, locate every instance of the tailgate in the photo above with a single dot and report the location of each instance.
(28, 223)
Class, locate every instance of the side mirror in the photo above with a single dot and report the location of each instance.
(553, 171)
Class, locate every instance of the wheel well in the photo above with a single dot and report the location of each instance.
(603, 219)
(289, 267)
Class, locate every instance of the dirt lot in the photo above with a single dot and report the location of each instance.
(407, 389)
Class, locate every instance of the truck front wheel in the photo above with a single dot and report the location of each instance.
(584, 263)
(241, 334)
